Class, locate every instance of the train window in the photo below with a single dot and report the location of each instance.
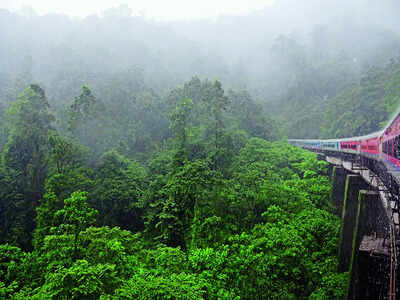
(397, 147)
(390, 150)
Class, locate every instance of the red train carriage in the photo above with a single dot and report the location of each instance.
(391, 143)
(349, 145)
(370, 146)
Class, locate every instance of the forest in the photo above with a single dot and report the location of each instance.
(148, 160)
(208, 204)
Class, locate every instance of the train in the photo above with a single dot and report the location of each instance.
(382, 146)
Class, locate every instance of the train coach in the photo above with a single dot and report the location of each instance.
(390, 144)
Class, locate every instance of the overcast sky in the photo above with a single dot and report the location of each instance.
(158, 9)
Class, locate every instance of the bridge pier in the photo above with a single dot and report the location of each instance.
(370, 250)
(363, 248)
(353, 184)
(338, 178)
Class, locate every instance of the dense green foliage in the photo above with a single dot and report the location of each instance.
(210, 210)
(122, 181)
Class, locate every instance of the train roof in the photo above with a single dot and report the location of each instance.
(363, 137)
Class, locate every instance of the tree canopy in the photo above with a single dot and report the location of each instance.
(213, 211)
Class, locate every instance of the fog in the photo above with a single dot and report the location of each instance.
(314, 47)
(154, 9)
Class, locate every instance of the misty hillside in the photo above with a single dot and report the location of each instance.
(287, 55)
(144, 159)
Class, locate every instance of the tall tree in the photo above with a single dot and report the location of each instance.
(77, 215)
(67, 173)
(119, 184)
(180, 117)
(81, 111)
(25, 160)
(216, 104)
